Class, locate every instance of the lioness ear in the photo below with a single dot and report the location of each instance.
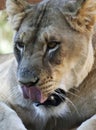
(16, 11)
(85, 16)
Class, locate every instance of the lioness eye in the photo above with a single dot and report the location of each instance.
(52, 44)
(19, 45)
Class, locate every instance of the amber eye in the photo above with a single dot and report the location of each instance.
(19, 45)
(53, 44)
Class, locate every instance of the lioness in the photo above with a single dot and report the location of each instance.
(52, 84)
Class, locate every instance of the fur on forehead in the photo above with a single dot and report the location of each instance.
(80, 14)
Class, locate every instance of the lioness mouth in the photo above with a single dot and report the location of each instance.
(55, 98)
(33, 93)
(36, 96)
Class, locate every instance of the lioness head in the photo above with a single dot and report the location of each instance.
(52, 45)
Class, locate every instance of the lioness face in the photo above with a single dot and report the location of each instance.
(51, 53)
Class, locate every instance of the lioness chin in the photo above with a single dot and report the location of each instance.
(50, 84)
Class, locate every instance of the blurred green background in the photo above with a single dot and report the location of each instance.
(6, 34)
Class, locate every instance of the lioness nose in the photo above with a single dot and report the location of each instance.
(28, 79)
(29, 83)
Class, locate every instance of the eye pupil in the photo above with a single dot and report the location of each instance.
(20, 45)
(52, 44)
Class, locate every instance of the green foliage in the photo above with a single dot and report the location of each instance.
(5, 34)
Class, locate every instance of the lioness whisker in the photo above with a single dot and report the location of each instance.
(61, 96)
(73, 94)
(72, 105)
(75, 89)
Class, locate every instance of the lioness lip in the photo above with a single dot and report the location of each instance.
(55, 98)
(36, 96)
(33, 93)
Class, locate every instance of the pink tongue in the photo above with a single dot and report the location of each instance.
(33, 93)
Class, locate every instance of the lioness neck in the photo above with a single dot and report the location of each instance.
(89, 61)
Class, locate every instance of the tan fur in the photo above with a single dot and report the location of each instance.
(16, 13)
(71, 69)
(85, 18)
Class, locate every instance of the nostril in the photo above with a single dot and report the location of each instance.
(25, 84)
(34, 79)
(29, 83)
